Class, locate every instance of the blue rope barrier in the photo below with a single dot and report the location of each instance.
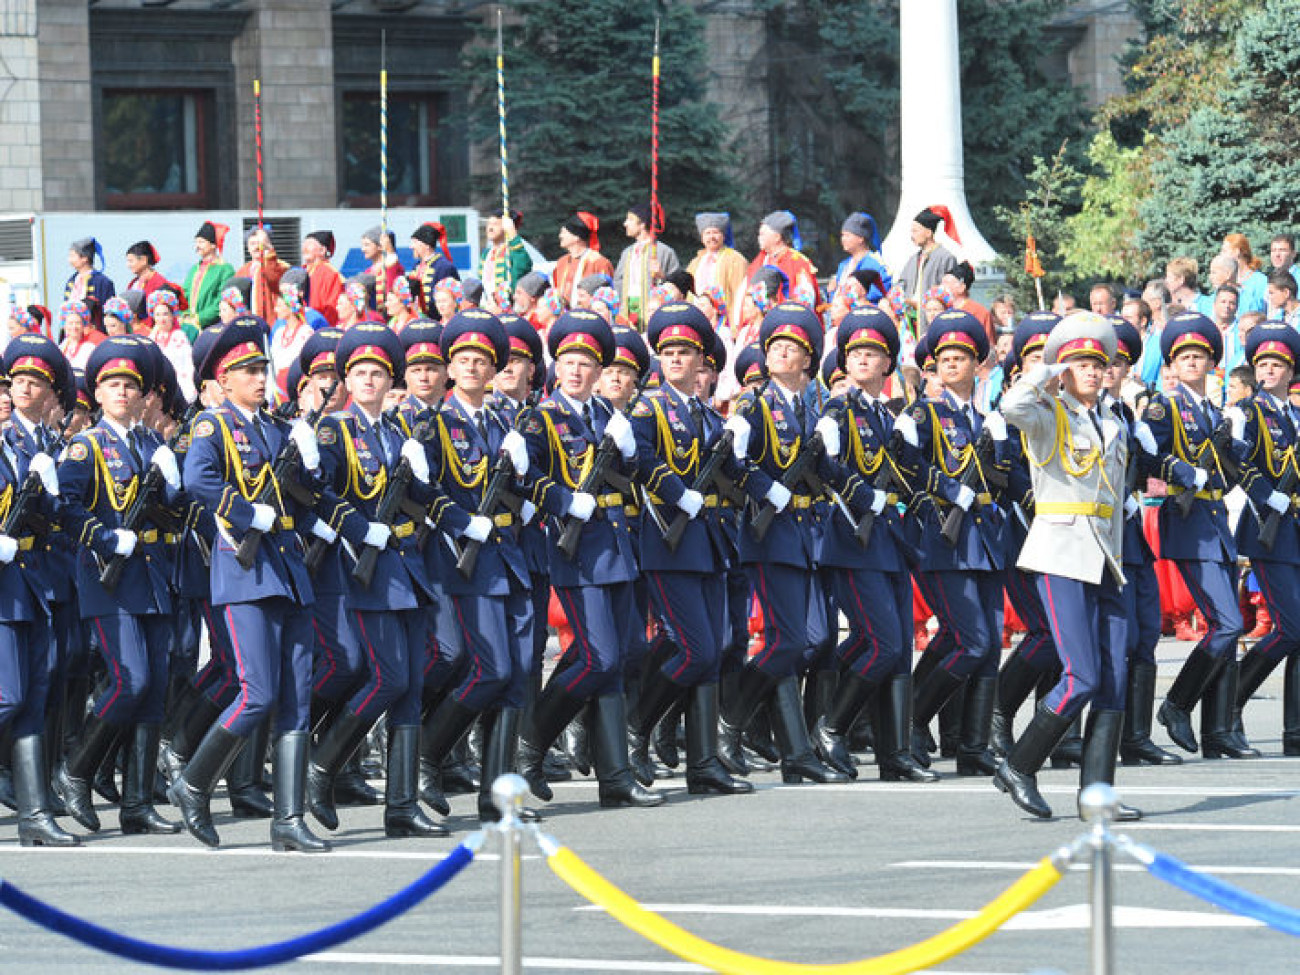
(1222, 894)
(198, 959)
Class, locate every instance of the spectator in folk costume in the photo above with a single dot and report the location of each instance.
(605, 303)
(580, 238)
(326, 282)
(357, 302)
(767, 287)
(207, 279)
(861, 241)
(234, 300)
(429, 244)
(448, 294)
(163, 305)
(779, 247)
(384, 265)
(88, 284)
(142, 261)
(291, 330)
(528, 295)
(587, 288)
(471, 292)
(718, 263)
(957, 283)
(644, 262)
(931, 261)
(401, 305)
(860, 289)
(264, 270)
(118, 319)
(505, 258)
(135, 303)
(79, 336)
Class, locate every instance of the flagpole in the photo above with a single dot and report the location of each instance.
(656, 226)
(257, 136)
(381, 283)
(501, 117)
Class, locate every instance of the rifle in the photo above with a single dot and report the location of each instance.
(22, 513)
(146, 504)
(284, 473)
(497, 493)
(980, 469)
(1221, 447)
(802, 470)
(710, 471)
(1268, 528)
(600, 474)
(393, 504)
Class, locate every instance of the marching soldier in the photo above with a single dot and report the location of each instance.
(1078, 451)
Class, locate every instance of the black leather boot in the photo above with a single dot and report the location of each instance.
(192, 792)
(1016, 681)
(1069, 750)
(1136, 746)
(196, 714)
(444, 726)
(331, 753)
(575, 742)
(36, 827)
(73, 779)
(973, 754)
(797, 759)
(818, 693)
(830, 735)
(556, 709)
(138, 814)
(247, 801)
(8, 798)
(618, 787)
(1100, 749)
(500, 755)
(657, 697)
(664, 738)
(1254, 670)
(351, 787)
(1017, 775)
(1291, 707)
(894, 755)
(289, 829)
(753, 687)
(1217, 705)
(104, 781)
(1188, 687)
(704, 772)
(950, 720)
(402, 814)
(460, 769)
(931, 693)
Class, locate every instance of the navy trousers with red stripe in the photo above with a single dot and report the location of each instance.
(392, 646)
(969, 607)
(134, 649)
(878, 607)
(25, 668)
(444, 648)
(497, 633)
(270, 641)
(787, 596)
(603, 619)
(1279, 582)
(217, 679)
(1090, 630)
(339, 662)
(1142, 607)
(1213, 586)
(690, 607)
(1035, 646)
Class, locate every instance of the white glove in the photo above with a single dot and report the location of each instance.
(479, 529)
(740, 431)
(304, 437)
(324, 532)
(516, 449)
(996, 426)
(1202, 476)
(125, 544)
(165, 461)
(830, 432)
(878, 501)
(1279, 502)
(377, 535)
(263, 518)
(582, 506)
(1142, 433)
(905, 425)
(620, 431)
(527, 511)
(8, 549)
(43, 466)
(1235, 416)
(965, 497)
(691, 502)
(1131, 506)
(414, 453)
(1056, 368)
(778, 495)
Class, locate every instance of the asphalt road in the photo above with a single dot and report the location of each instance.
(802, 873)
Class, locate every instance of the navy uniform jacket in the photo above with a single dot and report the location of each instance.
(532, 536)
(442, 513)
(773, 446)
(863, 437)
(225, 465)
(1017, 498)
(190, 574)
(1268, 453)
(51, 561)
(1182, 431)
(357, 458)
(466, 467)
(1137, 550)
(98, 480)
(23, 586)
(561, 447)
(670, 452)
(945, 448)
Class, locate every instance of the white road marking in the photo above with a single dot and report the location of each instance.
(492, 961)
(1215, 827)
(1019, 867)
(951, 787)
(431, 856)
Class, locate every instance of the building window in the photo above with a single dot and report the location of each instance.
(412, 149)
(153, 145)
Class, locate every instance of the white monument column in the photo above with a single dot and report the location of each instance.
(930, 89)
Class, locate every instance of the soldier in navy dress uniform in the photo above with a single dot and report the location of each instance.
(594, 587)
(36, 370)
(100, 476)
(1200, 542)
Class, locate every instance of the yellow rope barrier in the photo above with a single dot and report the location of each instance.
(570, 868)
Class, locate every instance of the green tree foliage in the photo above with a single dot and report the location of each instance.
(578, 84)
(1052, 193)
(1101, 240)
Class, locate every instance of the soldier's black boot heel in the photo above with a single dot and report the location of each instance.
(192, 792)
(36, 827)
(1017, 775)
(797, 759)
(402, 814)
(289, 829)
(138, 814)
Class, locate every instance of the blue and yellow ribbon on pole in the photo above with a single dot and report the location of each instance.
(501, 117)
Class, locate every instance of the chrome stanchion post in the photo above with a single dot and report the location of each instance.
(508, 793)
(1098, 804)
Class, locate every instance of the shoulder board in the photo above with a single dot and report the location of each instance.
(551, 404)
